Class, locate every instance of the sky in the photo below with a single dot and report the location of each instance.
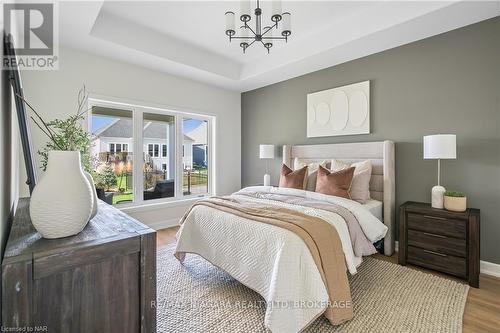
(101, 121)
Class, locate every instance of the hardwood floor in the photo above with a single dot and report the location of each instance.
(482, 310)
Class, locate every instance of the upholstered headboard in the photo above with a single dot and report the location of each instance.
(382, 183)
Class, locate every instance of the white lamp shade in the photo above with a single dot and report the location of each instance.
(266, 151)
(440, 146)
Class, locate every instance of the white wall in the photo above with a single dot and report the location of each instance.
(54, 94)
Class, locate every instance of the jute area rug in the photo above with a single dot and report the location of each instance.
(198, 297)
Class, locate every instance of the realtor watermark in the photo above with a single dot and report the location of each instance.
(33, 31)
(251, 304)
(39, 328)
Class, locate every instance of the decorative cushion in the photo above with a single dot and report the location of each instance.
(312, 171)
(334, 183)
(360, 187)
(293, 179)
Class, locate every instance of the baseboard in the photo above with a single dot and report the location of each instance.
(490, 268)
(485, 267)
(157, 225)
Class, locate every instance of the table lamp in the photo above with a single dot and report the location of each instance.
(439, 147)
(267, 153)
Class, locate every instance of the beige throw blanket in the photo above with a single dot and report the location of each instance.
(320, 237)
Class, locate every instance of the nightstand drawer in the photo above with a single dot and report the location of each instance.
(438, 261)
(438, 243)
(437, 225)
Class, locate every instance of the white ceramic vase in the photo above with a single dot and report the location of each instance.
(62, 202)
(94, 194)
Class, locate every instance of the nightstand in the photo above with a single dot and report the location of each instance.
(441, 240)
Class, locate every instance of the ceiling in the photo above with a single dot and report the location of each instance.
(186, 38)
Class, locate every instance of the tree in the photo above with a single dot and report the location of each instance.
(106, 177)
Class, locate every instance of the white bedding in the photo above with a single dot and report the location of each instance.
(273, 261)
(375, 207)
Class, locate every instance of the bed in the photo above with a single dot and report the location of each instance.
(276, 262)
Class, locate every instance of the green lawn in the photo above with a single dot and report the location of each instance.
(199, 177)
(118, 197)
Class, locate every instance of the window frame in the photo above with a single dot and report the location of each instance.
(138, 109)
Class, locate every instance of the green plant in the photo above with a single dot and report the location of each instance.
(67, 134)
(106, 178)
(456, 194)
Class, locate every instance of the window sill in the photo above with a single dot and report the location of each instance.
(133, 208)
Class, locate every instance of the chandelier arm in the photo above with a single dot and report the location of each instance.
(248, 27)
(275, 25)
(271, 38)
(243, 37)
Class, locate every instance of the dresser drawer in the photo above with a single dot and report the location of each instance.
(435, 260)
(438, 243)
(437, 225)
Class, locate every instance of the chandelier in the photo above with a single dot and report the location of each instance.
(264, 35)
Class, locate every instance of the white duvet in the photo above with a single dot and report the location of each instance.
(273, 261)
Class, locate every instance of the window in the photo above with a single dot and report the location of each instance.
(153, 150)
(118, 147)
(172, 152)
(195, 156)
(112, 161)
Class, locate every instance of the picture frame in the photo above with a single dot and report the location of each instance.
(22, 116)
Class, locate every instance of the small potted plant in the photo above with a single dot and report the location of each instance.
(455, 201)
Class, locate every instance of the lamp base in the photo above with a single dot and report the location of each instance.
(267, 180)
(437, 197)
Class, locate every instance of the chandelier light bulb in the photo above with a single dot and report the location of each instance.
(245, 14)
(286, 24)
(230, 23)
(276, 11)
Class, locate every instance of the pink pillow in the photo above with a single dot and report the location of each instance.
(293, 179)
(334, 183)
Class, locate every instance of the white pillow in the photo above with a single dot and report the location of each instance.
(360, 186)
(312, 171)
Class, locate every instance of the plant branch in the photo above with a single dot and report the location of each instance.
(51, 132)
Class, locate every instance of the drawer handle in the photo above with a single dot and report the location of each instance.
(436, 253)
(434, 235)
(434, 217)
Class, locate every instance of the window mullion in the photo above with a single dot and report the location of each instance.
(137, 156)
(178, 156)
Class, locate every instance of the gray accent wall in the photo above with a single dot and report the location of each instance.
(448, 83)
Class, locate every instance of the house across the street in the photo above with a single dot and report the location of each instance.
(116, 138)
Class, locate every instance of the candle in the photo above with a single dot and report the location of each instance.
(286, 25)
(245, 11)
(276, 11)
(229, 23)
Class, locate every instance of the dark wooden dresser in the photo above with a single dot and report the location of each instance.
(441, 240)
(101, 280)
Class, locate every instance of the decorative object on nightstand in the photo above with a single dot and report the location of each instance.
(62, 207)
(455, 201)
(438, 147)
(267, 153)
(441, 240)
